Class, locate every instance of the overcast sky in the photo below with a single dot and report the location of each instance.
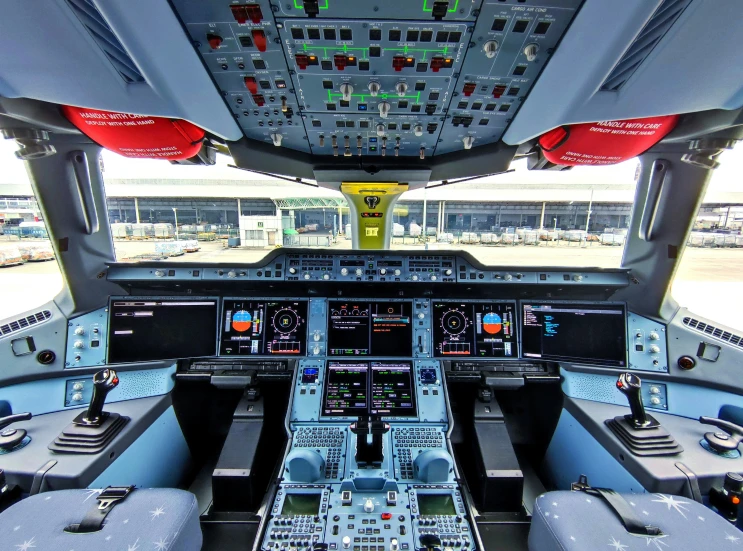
(12, 171)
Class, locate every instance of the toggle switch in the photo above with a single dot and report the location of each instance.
(259, 39)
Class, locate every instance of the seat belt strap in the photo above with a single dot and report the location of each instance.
(624, 511)
(107, 500)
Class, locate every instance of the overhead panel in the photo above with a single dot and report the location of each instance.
(388, 78)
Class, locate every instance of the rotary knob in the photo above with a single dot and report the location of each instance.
(414, 277)
(368, 506)
(307, 276)
(468, 141)
(159, 273)
(401, 88)
(316, 350)
(577, 277)
(316, 336)
(382, 271)
(421, 316)
(77, 397)
(394, 545)
(79, 331)
(654, 336)
(77, 386)
(418, 130)
(79, 344)
(292, 270)
(447, 272)
(508, 277)
(359, 272)
(384, 110)
(232, 273)
(276, 139)
(654, 349)
(397, 272)
(346, 542)
(530, 51)
(346, 91)
(326, 276)
(380, 130)
(374, 89)
(654, 390)
(344, 271)
(433, 277)
(655, 400)
(490, 48)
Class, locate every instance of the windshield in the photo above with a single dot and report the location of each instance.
(221, 214)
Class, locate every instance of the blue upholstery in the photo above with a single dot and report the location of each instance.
(575, 521)
(148, 519)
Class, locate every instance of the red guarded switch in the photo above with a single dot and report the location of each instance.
(215, 41)
(302, 61)
(340, 62)
(436, 64)
(251, 84)
(243, 12)
(469, 88)
(259, 100)
(259, 39)
(386, 516)
(398, 62)
(499, 90)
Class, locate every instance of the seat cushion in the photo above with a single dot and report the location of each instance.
(575, 521)
(148, 519)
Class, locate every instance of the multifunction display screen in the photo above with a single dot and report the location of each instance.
(263, 328)
(578, 333)
(475, 329)
(152, 329)
(355, 389)
(362, 328)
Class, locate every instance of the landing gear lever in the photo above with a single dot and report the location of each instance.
(630, 385)
(103, 382)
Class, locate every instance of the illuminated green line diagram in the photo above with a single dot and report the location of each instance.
(325, 7)
(417, 97)
(425, 3)
(405, 50)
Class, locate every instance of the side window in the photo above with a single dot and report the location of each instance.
(29, 274)
(709, 279)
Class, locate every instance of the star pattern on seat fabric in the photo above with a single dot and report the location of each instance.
(26, 545)
(157, 512)
(731, 538)
(672, 502)
(617, 545)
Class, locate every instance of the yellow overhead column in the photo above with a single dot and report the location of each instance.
(371, 206)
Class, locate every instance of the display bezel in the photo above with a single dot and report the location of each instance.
(587, 362)
(370, 301)
(221, 321)
(517, 324)
(109, 332)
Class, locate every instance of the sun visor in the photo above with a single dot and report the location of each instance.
(138, 136)
(605, 142)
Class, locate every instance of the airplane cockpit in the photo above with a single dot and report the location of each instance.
(367, 387)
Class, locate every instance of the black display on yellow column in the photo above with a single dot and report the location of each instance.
(371, 201)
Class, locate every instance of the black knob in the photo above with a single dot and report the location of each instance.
(733, 483)
(103, 382)
(630, 385)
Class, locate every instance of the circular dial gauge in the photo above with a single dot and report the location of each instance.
(454, 322)
(285, 320)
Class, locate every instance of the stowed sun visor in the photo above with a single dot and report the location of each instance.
(605, 142)
(138, 136)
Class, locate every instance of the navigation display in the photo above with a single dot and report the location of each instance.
(354, 389)
(263, 328)
(360, 328)
(579, 333)
(142, 330)
(475, 329)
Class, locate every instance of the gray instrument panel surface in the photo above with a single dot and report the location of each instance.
(253, 60)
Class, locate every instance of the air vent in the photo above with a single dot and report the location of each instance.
(712, 331)
(22, 323)
(662, 20)
(89, 16)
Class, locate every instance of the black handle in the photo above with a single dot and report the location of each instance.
(103, 382)
(630, 385)
(5, 421)
(727, 426)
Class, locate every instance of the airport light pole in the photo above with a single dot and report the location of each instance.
(175, 212)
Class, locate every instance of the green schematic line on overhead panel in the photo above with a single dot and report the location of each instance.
(325, 7)
(417, 97)
(425, 3)
(405, 50)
